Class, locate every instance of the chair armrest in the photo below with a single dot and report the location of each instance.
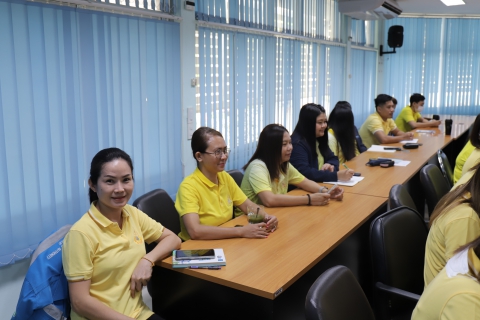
(398, 292)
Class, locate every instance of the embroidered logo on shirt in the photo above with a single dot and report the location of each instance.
(137, 238)
(229, 200)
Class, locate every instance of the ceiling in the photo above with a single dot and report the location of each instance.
(436, 7)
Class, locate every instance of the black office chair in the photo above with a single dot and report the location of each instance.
(397, 243)
(434, 185)
(336, 295)
(445, 167)
(237, 175)
(400, 197)
(158, 205)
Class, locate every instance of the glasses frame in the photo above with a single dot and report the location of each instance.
(219, 152)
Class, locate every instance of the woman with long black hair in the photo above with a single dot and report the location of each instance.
(343, 137)
(311, 154)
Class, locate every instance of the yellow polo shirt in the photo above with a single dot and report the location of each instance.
(373, 124)
(464, 179)
(213, 203)
(257, 179)
(452, 298)
(405, 116)
(96, 249)
(451, 230)
(472, 160)
(335, 147)
(460, 161)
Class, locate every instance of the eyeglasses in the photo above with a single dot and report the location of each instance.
(218, 153)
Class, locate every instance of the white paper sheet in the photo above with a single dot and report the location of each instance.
(349, 183)
(377, 148)
(409, 141)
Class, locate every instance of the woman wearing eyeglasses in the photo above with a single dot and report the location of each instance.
(205, 199)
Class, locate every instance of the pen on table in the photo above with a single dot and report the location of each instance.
(209, 268)
(356, 174)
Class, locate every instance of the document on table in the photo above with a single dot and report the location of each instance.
(349, 183)
(377, 148)
(425, 131)
(409, 141)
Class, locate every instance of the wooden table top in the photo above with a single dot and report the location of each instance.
(306, 234)
(378, 181)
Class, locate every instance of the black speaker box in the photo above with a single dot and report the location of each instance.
(395, 36)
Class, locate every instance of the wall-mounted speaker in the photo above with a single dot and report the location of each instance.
(395, 36)
(395, 39)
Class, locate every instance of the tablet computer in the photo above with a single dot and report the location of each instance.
(194, 254)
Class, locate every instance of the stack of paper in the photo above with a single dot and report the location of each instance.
(219, 260)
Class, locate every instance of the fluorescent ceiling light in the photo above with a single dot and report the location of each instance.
(453, 2)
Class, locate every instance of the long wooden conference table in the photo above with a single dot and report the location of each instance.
(269, 278)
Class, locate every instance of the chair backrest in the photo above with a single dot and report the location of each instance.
(160, 207)
(336, 295)
(445, 167)
(397, 243)
(434, 185)
(237, 175)
(400, 197)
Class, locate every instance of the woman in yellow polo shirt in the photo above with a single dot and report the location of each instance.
(343, 137)
(454, 222)
(104, 254)
(205, 199)
(474, 156)
(455, 291)
(269, 172)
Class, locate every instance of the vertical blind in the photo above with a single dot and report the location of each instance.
(439, 59)
(319, 19)
(363, 82)
(74, 82)
(248, 81)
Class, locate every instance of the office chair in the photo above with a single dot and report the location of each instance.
(397, 243)
(434, 185)
(399, 197)
(237, 175)
(445, 167)
(336, 295)
(158, 205)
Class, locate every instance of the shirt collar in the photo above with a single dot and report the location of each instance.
(199, 174)
(99, 218)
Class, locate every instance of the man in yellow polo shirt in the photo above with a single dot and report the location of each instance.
(410, 118)
(379, 125)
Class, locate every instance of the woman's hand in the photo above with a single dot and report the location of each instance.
(328, 167)
(140, 276)
(337, 194)
(345, 175)
(319, 199)
(258, 230)
(272, 222)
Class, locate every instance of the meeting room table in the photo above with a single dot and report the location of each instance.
(269, 278)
